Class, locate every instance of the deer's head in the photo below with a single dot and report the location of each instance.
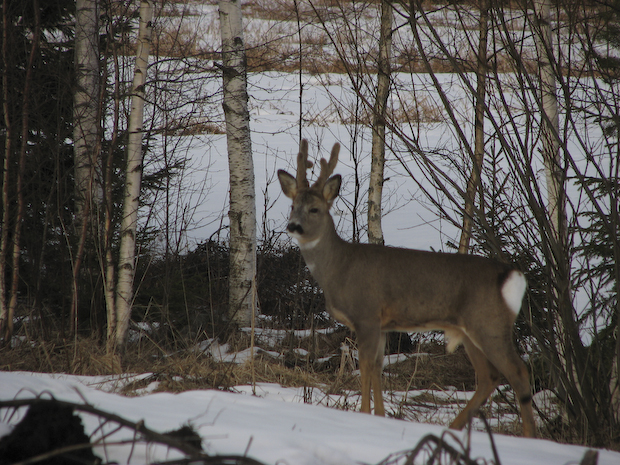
(310, 211)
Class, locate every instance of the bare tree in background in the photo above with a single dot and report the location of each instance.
(242, 213)
(375, 189)
(133, 178)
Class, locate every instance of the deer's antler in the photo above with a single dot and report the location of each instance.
(327, 168)
(302, 165)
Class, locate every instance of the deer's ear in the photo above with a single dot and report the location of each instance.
(331, 189)
(288, 184)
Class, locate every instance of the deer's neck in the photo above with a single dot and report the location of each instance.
(322, 253)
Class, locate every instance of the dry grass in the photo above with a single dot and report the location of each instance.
(432, 370)
(193, 127)
(276, 47)
(185, 369)
(58, 355)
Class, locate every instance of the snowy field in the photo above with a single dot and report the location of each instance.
(325, 105)
(274, 426)
(408, 219)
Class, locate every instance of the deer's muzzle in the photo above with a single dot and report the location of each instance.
(295, 228)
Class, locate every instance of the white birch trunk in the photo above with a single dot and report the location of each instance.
(550, 120)
(131, 197)
(375, 188)
(87, 188)
(242, 214)
(565, 331)
(85, 104)
(474, 178)
(109, 281)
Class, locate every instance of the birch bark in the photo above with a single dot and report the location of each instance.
(85, 132)
(570, 350)
(133, 179)
(242, 214)
(474, 179)
(375, 189)
(85, 104)
(550, 122)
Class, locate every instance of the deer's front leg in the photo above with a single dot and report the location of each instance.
(377, 373)
(369, 345)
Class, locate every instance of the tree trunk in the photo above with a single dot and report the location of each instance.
(242, 214)
(614, 382)
(570, 350)
(375, 188)
(8, 147)
(109, 274)
(133, 179)
(474, 178)
(19, 217)
(85, 102)
(550, 123)
(85, 131)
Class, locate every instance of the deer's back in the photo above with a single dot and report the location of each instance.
(412, 287)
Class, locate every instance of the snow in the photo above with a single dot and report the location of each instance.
(273, 426)
(274, 108)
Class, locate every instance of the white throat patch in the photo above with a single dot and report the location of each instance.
(309, 245)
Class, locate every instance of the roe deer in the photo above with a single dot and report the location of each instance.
(373, 289)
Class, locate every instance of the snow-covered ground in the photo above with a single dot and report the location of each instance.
(274, 426)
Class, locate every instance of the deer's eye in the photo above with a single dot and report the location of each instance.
(314, 210)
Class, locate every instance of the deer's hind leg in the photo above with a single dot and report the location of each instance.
(487, 379)
(508, 362)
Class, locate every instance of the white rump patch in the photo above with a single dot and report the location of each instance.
(513, 290)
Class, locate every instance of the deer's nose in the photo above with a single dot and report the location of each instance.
(295, 228)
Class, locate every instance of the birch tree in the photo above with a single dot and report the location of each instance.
(375, 189)
(242, 212)
(569, 346)
(85, 102)
(550, 121)
(133, 179)
(479, 109)
(85, 132)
